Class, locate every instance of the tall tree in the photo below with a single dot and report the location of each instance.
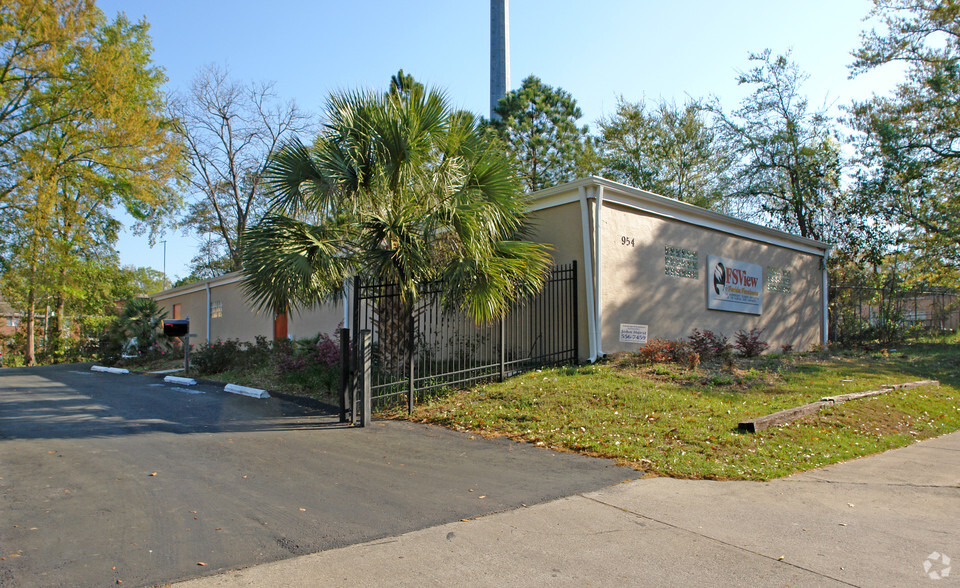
(908, 140)
(230, 130)
(788, 154)
(538, 123)
(669, 150)
(397, 188)
(103, 144)
(35, 37)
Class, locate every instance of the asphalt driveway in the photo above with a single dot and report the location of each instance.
(109, 477)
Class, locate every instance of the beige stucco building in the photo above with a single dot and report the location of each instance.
(218, 311)
(648, 268)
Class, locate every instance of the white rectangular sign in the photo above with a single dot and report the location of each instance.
(633, 334)
(734, 285)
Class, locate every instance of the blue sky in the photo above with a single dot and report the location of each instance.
(597, 50)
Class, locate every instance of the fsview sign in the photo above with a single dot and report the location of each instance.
(734, 285)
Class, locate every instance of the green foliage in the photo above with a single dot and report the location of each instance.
(308, 367)
(310, 364)
(907, 140)
(688, 429)
(216, 357)
(667, 150)
(140, 319)
(788, 155)
(538, 123)
(83, 133)
(399, 189)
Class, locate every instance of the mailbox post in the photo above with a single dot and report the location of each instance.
(180, 328)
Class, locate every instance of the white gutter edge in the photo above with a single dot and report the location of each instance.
(825, 326)
(588, 276)
(598, 198)
(196, 287)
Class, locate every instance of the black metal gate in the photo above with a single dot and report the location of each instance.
(395, 350)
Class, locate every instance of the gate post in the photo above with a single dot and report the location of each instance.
(411, 347)
(365, 376)
(576, 314)
(503, 347)
(345, 388)
(355, 358)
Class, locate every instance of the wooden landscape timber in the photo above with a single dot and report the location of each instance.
(785, 416)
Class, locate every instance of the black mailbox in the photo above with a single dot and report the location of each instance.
(176, 327)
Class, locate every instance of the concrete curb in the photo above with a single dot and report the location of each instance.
(299, 400)
(246, 391)
(179, 380)
(109, 370)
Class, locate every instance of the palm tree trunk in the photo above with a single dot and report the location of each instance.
(393, 330)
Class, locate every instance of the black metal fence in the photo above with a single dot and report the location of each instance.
(402, 350)
(858, 313)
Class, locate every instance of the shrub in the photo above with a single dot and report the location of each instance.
(296, 356)
(326, 351)
(216, 357)
(664, 350)
(311, 364)
(708, 344)
(685, 355)
(749, 344)
(657, 351)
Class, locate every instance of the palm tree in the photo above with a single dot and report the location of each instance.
(397, 188)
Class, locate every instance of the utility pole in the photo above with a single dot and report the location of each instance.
(164, 262)
(499, 53)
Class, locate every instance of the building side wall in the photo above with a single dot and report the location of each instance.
(327, 318)
(238, 319)
(561, 228)
(193, 305)
(637, 290)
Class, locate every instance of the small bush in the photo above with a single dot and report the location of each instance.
(216, 357)
(685, 355)
(664, 350)
(749, 344)
(657, 351)
(326, 351)
(312, 364)
(709, 345)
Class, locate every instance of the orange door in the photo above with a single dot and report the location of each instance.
(280, 327)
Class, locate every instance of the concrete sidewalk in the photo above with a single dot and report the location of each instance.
(879, 521)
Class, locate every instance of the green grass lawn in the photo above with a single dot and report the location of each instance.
(673, 421)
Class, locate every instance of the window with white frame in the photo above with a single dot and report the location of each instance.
(216, 309)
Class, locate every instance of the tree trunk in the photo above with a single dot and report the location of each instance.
(393, 331)
(30, 357)
(57, 336)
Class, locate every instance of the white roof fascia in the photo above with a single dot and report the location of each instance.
(674, 209)
(223, 280)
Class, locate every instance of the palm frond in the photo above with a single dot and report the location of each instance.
(291, 264)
